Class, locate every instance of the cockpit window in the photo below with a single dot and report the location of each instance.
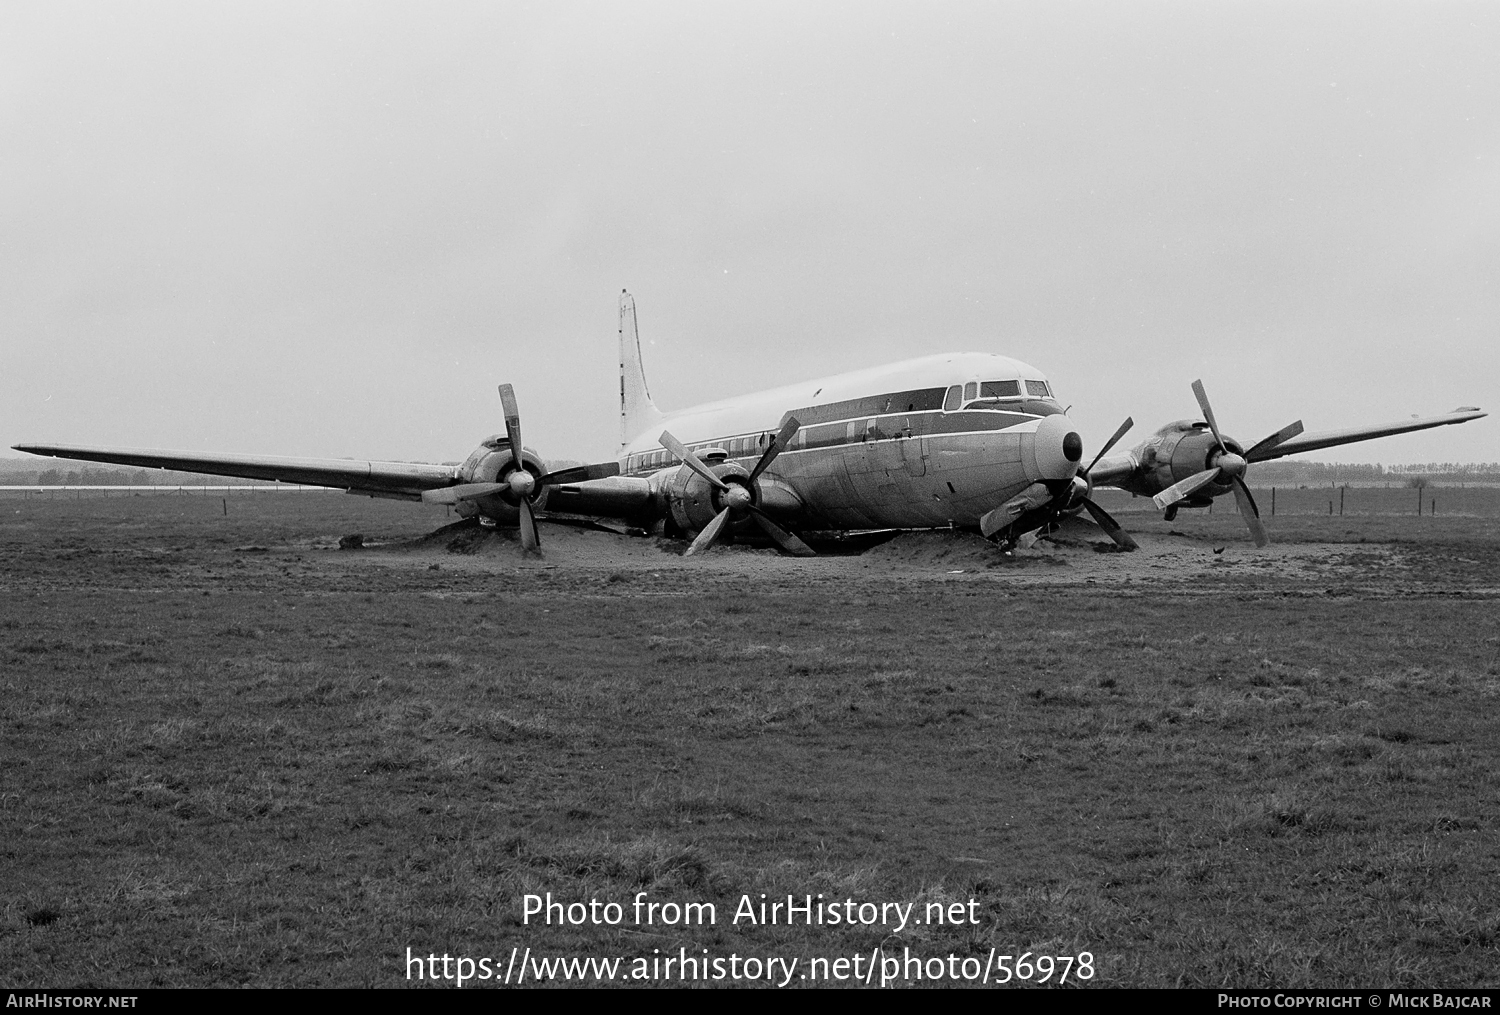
(1000, 389)
(971, 390)
(1038, 389)
(953, 398)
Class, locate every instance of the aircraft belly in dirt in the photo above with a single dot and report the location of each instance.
(899, 483)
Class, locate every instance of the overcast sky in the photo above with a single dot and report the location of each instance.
(333, 228)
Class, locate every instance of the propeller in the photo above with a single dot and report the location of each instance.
(1102, 517)
(1228, 468)
(1039, 497)
(738, 499)
(519, 485)
(520, 482)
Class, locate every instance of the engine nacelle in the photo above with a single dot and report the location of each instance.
(1177, 451)
(691, 501)
(492, 462)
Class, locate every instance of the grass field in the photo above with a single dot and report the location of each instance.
(234, 756)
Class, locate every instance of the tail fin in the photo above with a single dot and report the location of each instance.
(637, 412)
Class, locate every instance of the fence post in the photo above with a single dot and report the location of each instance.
(1273, 502)
(1341, 500)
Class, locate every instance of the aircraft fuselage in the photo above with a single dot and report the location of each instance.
(907, 445)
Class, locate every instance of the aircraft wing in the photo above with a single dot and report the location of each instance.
(1349, 435)
(400, 480)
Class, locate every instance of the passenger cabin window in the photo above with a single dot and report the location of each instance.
(953, 399)
(1038, 389)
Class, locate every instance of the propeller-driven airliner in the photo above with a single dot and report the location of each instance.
(961, 440)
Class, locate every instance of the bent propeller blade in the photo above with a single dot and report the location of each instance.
(580, 474)
(1124, 428)
(530, 541)
(1111, 527)
(1274, 441)
(692, 461)
(1208, 413)
(709, 534)
(1250, 513)
(512, 421)
(788, 542)
(1181, 491)
(779, 443)
(1034, 496)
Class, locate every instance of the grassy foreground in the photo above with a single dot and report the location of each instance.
(224, 768)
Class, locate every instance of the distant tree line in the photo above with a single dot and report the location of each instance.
(1335, 473)
(106, 475)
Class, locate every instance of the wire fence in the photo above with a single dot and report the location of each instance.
(1469, 500)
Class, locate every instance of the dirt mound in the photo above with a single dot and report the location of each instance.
(563, 543)
(957, 549)
(466, 536)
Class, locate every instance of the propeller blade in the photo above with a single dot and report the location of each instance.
(709, 534)
(1034, 496)
(1111, 527)
(788, 542)
(1124, 427)
(529, 539)
(464, 491)
(677, 448)
(992, 522)
(512, 421)
(778, 444)
(1181, 491)
(1286, 433)
(1250, 512)
(1208, 413)
(580, 474)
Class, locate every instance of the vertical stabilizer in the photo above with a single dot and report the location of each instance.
(637, 412)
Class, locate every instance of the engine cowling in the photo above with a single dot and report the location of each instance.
(692, 502)
(1180, 450)
(492, 462)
